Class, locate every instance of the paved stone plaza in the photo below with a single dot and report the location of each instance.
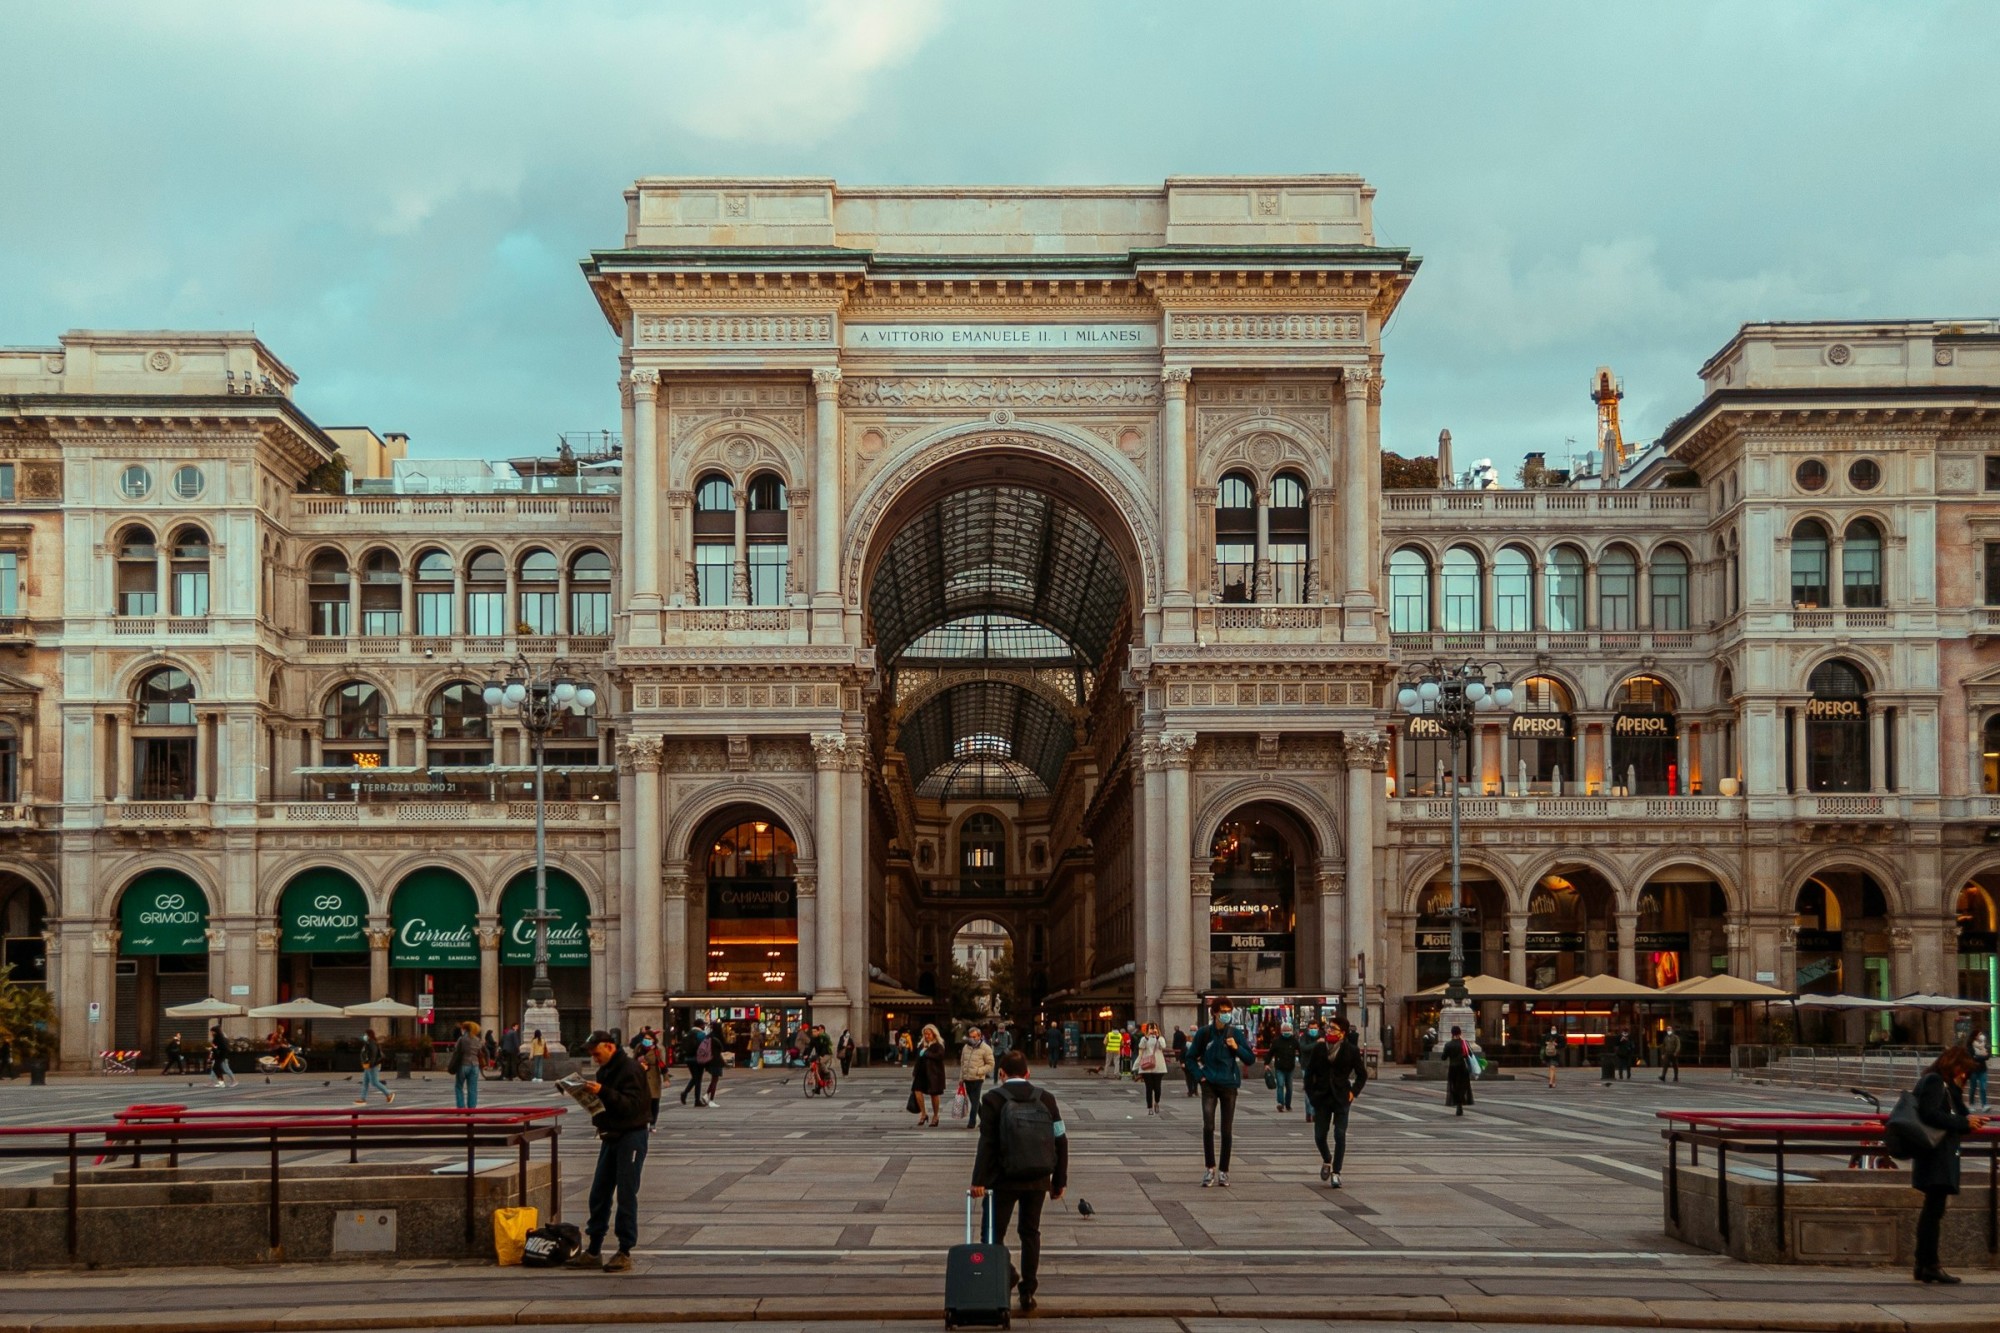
(1540, 1208)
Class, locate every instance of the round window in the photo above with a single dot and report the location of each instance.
(1864, 474)
(134, 482)
(187, 482)
(1811, 475)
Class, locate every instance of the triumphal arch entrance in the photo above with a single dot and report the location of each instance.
(999, 564)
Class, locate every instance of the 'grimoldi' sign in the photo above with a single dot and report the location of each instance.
(1067, 337)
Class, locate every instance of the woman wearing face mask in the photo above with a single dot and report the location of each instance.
(1220, 1053)
(1150, 1064)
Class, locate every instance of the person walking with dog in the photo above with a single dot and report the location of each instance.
(1023, 1159)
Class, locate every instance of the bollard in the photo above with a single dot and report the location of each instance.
(402, 1064)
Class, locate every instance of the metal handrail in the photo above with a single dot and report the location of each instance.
(1812, 1132)
(315, 1131)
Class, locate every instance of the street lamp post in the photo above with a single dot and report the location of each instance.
(1453, 697)
(540, 697)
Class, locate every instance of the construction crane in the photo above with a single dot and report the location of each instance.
(1605, 391)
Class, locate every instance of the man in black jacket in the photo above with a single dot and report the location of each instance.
(621, 1152)
(1335, 1076)
(1013, 1189)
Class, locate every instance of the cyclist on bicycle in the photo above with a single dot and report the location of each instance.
(819, 1055)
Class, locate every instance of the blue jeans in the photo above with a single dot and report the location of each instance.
(972, 1087)
(371, 1077)
(1284, 1088)
(465, 1088)
(538, 1068)
(1975, 1086)
(619, 1162)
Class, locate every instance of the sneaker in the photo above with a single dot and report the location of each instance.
(391, 1096)
(1334, 1184)
(1222, 1179)
(587, 1259)
(620, 1262)
(361, 1101)
(1207, 1178)
(1326, 1170)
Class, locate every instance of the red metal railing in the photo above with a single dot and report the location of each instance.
(1807, 1133)
(176, 1130)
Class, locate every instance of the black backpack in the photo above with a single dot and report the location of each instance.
(551, 1246)
(1027, 1138)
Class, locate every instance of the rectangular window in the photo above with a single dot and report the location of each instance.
(1888, 749)
(1670, 608)
(1565, 590)
(1809, 575)
(486, 614)
(10, 583)
(191, 592)
(163, 768)
(1511, 601)
(1861, 575)
(1236, 570)
(538, 612)
(1993, 573)
(714, 566)
(139, 603)
(590, 613)
(1288, 571)
(10, 768)
(329, 619)
(434, 614)
(1993, 472)
(1615, 600)
(381, 624)
(6, 481)
(767, 573)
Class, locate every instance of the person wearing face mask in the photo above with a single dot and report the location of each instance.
(975, 1066)
(1335, 1076)
(1220, 1052)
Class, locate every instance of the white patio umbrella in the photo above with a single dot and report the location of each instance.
(1936, 1003)
(1841, 1002)
(298, 1009)
(382, 1008)
(209, 1008)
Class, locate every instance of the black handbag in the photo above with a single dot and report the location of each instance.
(1905, 1135)
(913, 1106)
(551, 1246)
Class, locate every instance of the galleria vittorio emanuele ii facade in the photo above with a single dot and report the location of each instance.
(1010, 555)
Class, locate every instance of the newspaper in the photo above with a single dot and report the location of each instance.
(575, 1086)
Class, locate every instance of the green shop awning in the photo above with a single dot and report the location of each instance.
(323, 911)
(435, 917)
(163, 912)
(569, 934)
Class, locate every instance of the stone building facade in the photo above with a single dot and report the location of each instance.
(1016, 555)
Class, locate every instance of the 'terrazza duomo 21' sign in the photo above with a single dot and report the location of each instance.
(1076, 337)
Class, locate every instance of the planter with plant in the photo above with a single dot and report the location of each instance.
(27, 1025)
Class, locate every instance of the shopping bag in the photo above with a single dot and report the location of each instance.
(510, 1233)
(960, 1106)
(1472, 1064)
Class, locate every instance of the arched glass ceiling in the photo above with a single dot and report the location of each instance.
(988, 730)
(998, 556)
(982, 778)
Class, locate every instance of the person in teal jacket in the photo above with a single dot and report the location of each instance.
(1220, 1052)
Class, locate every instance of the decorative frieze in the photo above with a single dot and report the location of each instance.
(739, 694)
(1269, 694)
(732, 330)
(1221, 328)
(1038, 391)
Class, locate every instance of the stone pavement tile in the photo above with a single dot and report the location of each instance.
(1786, 1317)
(1554, 1310)
(231, 1321)
(609, 1309)
(879, 1305)
(1946, 1319)
(1299, 1306)
(735, 1234)
(385, 1304)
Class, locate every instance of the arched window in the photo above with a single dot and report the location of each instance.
(1735, 577)
(138, 572)
(381, 595)
(1861, 565)
(1251, 903)
(1461, 591)
(1291, 537)
(436, 593)
(190, 571)
(1543, 730)
(1836, 727)
(458, 734)
(354, 728)
(536, 594)
(714, 539)
(590, 593)
(1409, 592)
(1670, 588)
(1562, 583)
(1645, 739)
(163, 738)
(1236, 538)
(1809, 565)
(1513, 591)
(1618, 590)
(486, 595)
(982, 855)
(765, 528)
(326, 590)
(753, 916)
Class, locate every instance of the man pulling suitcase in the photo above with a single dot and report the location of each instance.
(1023, 1160)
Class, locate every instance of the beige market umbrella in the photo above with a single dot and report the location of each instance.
(382, 1008)
(1724, 989)
(1484, 988)
(209, 1008)
(298, 1009)
(1604, 986)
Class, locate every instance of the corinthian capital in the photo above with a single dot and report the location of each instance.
(1176, 748)
(829, 749)
(1366, 749)
(826, 380)
(640, 754)
(644, 376)
(1176, 378)
(489, 937)
(380, 937)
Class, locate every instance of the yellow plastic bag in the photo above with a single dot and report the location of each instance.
(510, 1233)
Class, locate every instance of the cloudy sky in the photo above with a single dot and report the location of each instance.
(396, 195)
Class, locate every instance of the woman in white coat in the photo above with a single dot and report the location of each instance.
(1149, 1062)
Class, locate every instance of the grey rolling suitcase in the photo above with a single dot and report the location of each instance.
(975, 1279)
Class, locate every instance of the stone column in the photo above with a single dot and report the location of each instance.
(1517, 947)
(1801, 772)
(489, 971)
(1176, 753)
(1878, 751)
(1628, 944)
(673, 897)
(1642, 609)
(853, 921)
(679, 574)
(600, 982)
(204, 753)
(1332, 928)
(1149, 871)
(641, 754)
(826, 499)
(121, 754)
(830, 757)
(1591, 620)
(739, 580)
(805, 886)
(380, 935)
(264, 982)
(1486, 616)
(1360, 473)
(1366, 752)
(643, 475)
(1174, 495)
(1263, 591)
